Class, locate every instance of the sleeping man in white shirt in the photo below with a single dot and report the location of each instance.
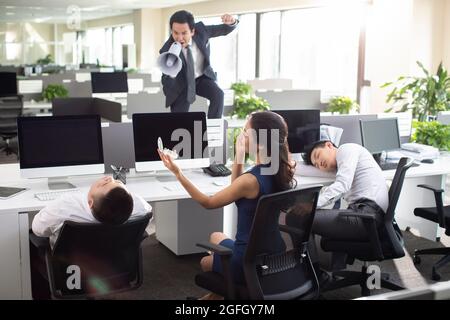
(359, 181)
(107, 201)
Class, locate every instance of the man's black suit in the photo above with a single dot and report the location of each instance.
(175, 89)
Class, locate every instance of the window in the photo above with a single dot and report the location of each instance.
(246, 47)
(269, 46)
(319, 49)
(315, 47)
(105, 44)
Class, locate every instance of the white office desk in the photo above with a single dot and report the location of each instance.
(15, 280)
(36, 106)
(14, 222)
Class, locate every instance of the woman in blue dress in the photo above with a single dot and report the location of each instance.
(264, 136)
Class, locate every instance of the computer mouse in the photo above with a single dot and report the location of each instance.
(427, 161)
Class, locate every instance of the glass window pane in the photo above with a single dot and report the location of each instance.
(246, 47)
(269, 47)
(223, 54)
(319, 49)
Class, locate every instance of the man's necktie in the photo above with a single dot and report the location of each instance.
(190, 76)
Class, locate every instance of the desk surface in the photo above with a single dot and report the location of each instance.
(37, 105)
(153, 188)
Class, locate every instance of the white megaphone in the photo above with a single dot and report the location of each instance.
(169, 62)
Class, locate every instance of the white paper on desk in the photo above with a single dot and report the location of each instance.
(310, 171)
(331, 133)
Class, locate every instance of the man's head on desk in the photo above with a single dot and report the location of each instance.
(110, 201)
(322, 155)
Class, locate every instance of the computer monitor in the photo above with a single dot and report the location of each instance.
(8, 84)
(109, 82)
(350, 125)
(303, 128)
(60, 146)
(380, 135)
(185, 132)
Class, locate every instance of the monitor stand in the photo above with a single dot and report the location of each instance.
(59, 183)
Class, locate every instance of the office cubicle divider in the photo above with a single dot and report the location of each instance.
(77, 106)
(270, 84)
(144, 102)
(292, 99)
(349, 123)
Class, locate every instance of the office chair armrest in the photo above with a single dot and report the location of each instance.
(366, 215)
(41, 243)
(372, 230)
(216, 248)
(290, 230)
(435, 190)
(439, 203)
(225, 255)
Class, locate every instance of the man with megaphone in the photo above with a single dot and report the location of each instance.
(185, 63)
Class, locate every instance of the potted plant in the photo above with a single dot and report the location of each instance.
(47, 60)
(241, 88)
(53, 91)
(432, 133)
(245, 102)
(342, 105)
(425, 95)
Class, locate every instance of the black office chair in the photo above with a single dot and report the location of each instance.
(281, 275)
(441, 215)
(384, 242)
(10, 109)
(107, 258)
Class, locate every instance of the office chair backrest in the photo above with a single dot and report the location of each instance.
(10, 109)
(107, 258)
(281, 275)
(394, 193)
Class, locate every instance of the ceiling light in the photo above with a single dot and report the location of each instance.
(89, 9)
(40, 20)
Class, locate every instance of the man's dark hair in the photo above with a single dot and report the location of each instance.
(114, 208)
(183, 16)
(310, 148)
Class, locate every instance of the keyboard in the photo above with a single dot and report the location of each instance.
(392, 165)
(388, 165)
(52, 195)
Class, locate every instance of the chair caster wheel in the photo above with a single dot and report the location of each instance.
(435, 276)
(416, 260)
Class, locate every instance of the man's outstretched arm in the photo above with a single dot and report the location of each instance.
(229, 24)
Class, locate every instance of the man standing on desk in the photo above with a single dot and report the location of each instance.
(196, 75)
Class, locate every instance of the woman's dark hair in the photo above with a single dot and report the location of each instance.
(183, 16)
(284, 178)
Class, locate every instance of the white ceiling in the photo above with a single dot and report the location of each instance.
(57, 11)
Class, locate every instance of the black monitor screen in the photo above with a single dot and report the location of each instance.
(8, 84)
(380, 135)
(59, 141)
(109, 82)
(188, 139)
(303, 128)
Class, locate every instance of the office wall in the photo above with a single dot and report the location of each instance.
(446, 35)
(111, 21)
(399, 33)
(148, 36)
